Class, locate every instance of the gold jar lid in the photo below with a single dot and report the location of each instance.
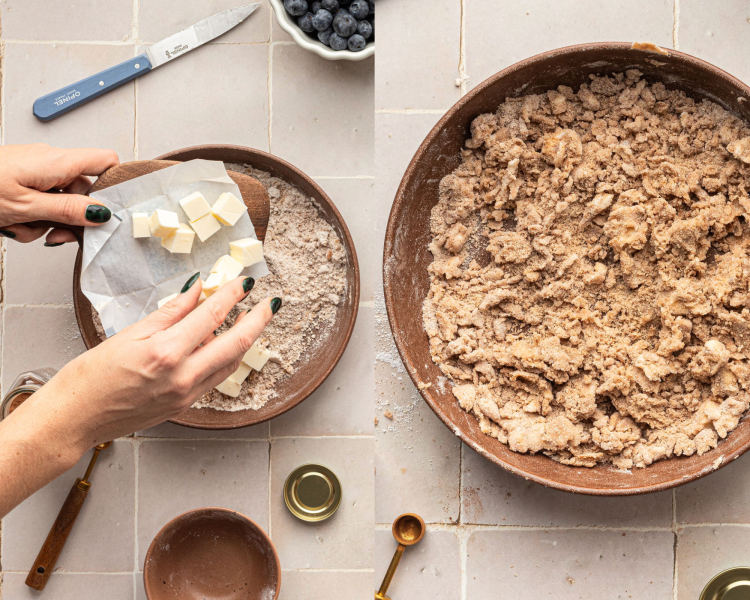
(312, 492)
(732, 584)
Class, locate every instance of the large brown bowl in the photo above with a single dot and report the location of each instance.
(406, 257)
(315, 365)
(211, 553)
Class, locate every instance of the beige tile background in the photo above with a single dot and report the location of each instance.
(245, 88)
(491, 534)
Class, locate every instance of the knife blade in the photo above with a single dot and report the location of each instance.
(66, 99)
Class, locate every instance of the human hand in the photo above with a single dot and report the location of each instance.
(28, 172)
(156, 368)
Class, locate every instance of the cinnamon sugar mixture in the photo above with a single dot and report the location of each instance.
(589, 290)
(307, 264)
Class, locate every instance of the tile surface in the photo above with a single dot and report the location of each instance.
(568, 564)
(176, 476)
(52, 268)
(416, 457)
(432, 567)
(158, 19)
(342, 405)
(179, 104)
(493, 29)
(83, 20)
(702, 552)
(38, 337)
(109, 506)
(721, 497)
(105, 122)
(323, 112)
(718, 32)
(492, 496)
(65, 586)
(345, 540)
(418, 57)
(319, 585)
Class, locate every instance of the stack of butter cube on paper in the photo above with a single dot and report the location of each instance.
(126, 272)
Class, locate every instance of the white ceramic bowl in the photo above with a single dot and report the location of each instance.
(287, 23)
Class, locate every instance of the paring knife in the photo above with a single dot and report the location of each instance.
(65, 99)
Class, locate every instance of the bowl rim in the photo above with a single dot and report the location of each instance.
(318, 48)
(206, 510)
(388, 283)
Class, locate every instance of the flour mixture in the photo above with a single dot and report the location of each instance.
(589, 290)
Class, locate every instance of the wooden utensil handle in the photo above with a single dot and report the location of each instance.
(58, 535)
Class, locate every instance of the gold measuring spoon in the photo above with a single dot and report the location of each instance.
(58, 535)
(408, 529)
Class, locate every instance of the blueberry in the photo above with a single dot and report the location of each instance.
(305, 23)
(330, 5)
(337, 42)
(364, 28)
(325, 36)
(316, 6)
(359, 9)
(344, 24)
(356, 43)
(322, 20)
(296, 8)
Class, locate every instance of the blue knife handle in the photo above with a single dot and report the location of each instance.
(57, 103)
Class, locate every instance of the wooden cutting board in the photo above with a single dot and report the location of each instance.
(253, 193)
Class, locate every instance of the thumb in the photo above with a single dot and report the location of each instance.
(71, 209)
(172, 312)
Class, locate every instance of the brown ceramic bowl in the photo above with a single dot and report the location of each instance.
(406, 256)
(314, 366)
(211, 553)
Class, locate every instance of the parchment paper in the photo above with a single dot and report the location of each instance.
(124, 277)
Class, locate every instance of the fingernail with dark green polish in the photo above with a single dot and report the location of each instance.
(8, 234)
(96, 213)
(189, 283)
(275, 305)
(247, 284)
(53, 244)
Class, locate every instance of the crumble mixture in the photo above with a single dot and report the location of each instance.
(307, 264)
(589, 290)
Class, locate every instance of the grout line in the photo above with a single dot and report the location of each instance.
(270, 96)
(268, 439)
(285, 43)
(128, 42)
(462, 77)
(463, 536)
(328, 570)
(411, 111)
(136, 447)
(333, 177)
(454, 527)
(58, 570)
(135, 119)
(66, 306)
(676, 26)
(134, 21)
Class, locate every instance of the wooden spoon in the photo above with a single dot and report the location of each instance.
(253, 193)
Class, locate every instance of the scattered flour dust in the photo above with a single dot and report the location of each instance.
(590, 290)
(307, 264)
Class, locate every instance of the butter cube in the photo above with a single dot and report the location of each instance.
(228, 266)
(248, 251)
(195, 206)
(205, 227)
(256, 357)
(141, 228)
(163, 301)
(228, 208)
(229, 387)
(163, 223)
(240, 374)
(213, 282)
(181, 241)
(202, 298)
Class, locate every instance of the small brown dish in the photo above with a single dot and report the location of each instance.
(406, 255)
(315, 365)
(211, 553)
